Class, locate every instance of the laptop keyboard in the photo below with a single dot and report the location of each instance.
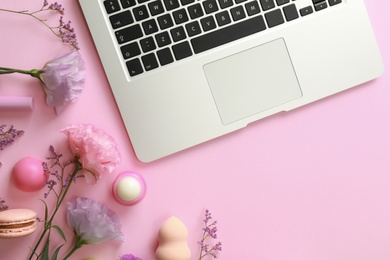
(154, 33)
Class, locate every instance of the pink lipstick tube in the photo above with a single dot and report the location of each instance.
(15, 103)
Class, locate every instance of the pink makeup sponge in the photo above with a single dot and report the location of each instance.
(17, 223)
(28, 174)
(173, 241)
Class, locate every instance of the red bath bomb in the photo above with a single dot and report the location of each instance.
(28, 174)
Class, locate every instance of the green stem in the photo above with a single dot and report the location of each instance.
(79, 243)
(4, 70)
(48, 224)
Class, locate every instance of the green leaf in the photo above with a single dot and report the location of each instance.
(45, 253)
(54, 256)
(59, 232)
(46, 210)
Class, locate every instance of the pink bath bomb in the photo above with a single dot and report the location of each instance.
(28, 174)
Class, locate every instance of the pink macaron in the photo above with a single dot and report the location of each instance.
(17, 223)
(129, 188)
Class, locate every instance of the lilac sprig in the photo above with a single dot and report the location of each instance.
(8, 136)
(63, 30)
(210, 230)
(60, 176)
(3, 206)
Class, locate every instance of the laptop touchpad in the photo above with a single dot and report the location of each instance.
(253, 81)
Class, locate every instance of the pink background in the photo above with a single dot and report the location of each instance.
(313, 183)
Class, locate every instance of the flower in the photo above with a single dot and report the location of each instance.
(129, 257)
(96, 151)
(63, 80)
(92, 223)
(209, 230)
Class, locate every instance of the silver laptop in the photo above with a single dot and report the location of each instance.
(184, 71)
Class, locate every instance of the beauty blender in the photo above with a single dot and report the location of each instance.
(17, 223)
(173, 241)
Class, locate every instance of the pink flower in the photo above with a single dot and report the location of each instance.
(95, 150)
(63, 80)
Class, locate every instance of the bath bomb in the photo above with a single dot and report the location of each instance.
(28, 174)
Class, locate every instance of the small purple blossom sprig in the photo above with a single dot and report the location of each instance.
(3, 206)
(57, 170)
(209, 231)
(63, 30)
(58, 183)
(129, 257)
(8, 136)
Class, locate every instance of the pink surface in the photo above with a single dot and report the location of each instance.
(308, 184)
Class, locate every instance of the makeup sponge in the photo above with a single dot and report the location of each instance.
(173, 241)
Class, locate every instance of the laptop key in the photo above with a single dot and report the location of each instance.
(193, 28)
(150, 26)
(274, 18)
(165, 21)
(178, 34)
(225, 3)
(128, 3)
(210, 6)
(306, 10)
(163, 39)
(182, 50)
(228, 34)
(149, 61)
(320, 6)
(195, 11)
(186, 2)
(156, 7)
(238, 13)
(112, 6)
(267, 4)
(134, 67)
(171, 4)
(252, 8)
(121, 19)
(130, 50)
(140, 13)
(165, 56)
(208, 23)
(180, 16)
(282, 2)
(334, 2)
(147, 44)
(129, 34)
(290, 12)
(223, 18)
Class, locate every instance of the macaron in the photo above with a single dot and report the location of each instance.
(17, 223)
(129, 188)
(29, 175)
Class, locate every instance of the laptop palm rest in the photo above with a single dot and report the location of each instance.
(252, 81)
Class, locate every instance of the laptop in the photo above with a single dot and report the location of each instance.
(186, 71)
